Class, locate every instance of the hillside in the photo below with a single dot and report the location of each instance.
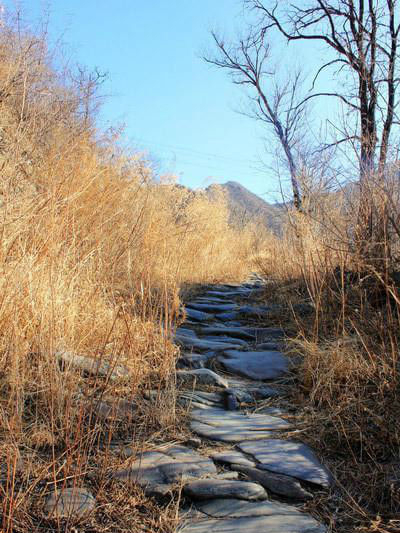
(245, 206)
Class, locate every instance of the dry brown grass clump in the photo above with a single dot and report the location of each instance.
(93, 251)
(348, 333)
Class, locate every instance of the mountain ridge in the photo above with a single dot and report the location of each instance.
(246, 206)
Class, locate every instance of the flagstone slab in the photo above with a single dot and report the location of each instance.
(244, 312)
(202, 345)
(221, 418)
(229, 515)
(206, 489)
(249, 390)
(74, 502)
(187, 332)
(209, 307)
(157, 471)
(240, 343)
(255, 365)
(213, 300)
(238, 332)
(197, 316)
(206, 398)
(277, 483)
(229, 435)
(233, 426)
(230, 457)
(290, 458)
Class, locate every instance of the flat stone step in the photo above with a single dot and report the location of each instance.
(225, 339)
(277, 483)
(207, 489)
(293, 459)
(232, 426)
(193, 343)
(255, 365)
(213, 299)
(211, 307)
(232, 457)
(238, 332)
(244, 312)
(233, 516)
(72, 503)
(156, 472)
(212, 399)
(197, 316)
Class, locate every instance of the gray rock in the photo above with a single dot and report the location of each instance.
(197, 316)
(228, 324)
(231, 435)
(157, 471)
(231, 315)
(203, 376)
(211, 307)
(186, 332)
(206, 489)
(96, 367)
(233, 426)
(244, 312)
(255, 365)
(247, 390)
(219, 417)
(229, 515)
(230, 474)
(207, 398)
(213, 300)
(276, 483)
(192, 343)
(238, 293)
(231, 331)
(230, 457)
(226, 339)
(73, 503)
(234, 509)
(290, 458)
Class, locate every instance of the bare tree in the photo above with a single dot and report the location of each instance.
(363, 36)
(275, 104)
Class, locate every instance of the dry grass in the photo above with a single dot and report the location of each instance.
(346, 313)
(93, 252)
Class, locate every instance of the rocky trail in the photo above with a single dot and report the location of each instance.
(253, 479)
(241, 471)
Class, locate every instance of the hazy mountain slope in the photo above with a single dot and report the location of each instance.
(245, 205)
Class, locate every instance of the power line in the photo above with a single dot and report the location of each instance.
(197, 152)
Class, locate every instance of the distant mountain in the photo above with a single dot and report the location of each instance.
(246, 206)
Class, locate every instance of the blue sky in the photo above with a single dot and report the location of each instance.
(172, 104)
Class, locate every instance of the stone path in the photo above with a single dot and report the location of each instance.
(253, 479)
(240, 473)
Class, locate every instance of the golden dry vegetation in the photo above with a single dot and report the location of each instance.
(345, 312)
(93, 252)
